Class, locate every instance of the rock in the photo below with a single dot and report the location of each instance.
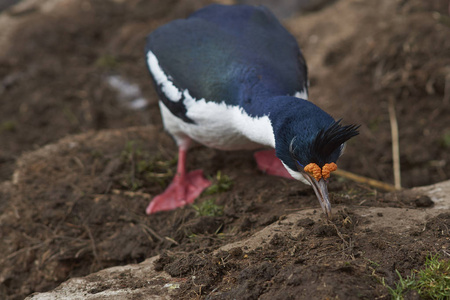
(424, 201)
(140, 281)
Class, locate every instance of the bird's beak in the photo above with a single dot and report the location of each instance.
(321, 189)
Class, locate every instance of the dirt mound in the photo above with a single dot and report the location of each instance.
(298, 256)
(77, 206)
(87, 213)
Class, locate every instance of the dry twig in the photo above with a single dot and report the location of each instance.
(395, 144)
(361, 179)
(151, 231)
(131, 194)
(94, 247)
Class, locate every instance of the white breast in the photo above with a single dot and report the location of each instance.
(217, 125)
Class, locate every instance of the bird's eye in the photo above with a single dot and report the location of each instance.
(299, 164)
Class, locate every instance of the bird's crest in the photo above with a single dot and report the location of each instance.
(330, 139)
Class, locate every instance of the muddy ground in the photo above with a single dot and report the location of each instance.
(77, 206)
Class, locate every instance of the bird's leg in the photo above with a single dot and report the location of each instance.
(270, 164)
(184, 189)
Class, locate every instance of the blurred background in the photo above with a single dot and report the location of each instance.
(70, 66)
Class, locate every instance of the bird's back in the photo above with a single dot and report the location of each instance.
(229, 53)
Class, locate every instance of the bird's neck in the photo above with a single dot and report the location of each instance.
(277, 120)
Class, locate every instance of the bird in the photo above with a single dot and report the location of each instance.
(231, 77)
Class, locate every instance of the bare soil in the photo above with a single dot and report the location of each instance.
(77, 206)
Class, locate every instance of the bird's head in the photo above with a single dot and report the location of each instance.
(309, 147)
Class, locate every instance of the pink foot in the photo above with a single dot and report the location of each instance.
(270, 164)
(180, 192)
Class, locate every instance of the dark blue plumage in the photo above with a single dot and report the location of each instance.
(232, 77)
(236, 52)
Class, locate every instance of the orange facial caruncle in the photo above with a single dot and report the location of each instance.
(315, 171)
(327, 169)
